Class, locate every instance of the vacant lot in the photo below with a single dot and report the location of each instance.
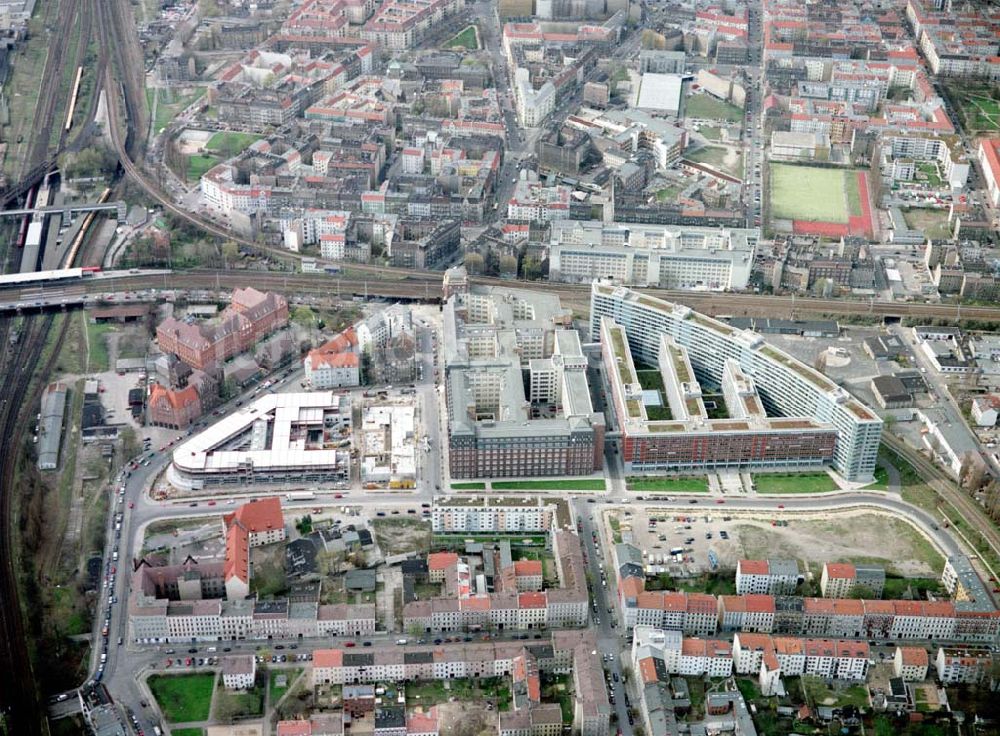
(706, 107)
(724, 158)
(814, 194)
(857, 537)
(396, 536)
(794, 483)
(933, 223)
(183, 698)
(668, 485)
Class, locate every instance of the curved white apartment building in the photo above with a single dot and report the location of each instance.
(787, 387)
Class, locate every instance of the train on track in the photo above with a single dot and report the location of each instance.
(46, 278)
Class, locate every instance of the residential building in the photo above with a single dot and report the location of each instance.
(769, 577)
(239, 671)
(846, 580)
(818, 422)
(970, 665)
(335, 363)
(670, 257)
(910, 663)
(474, 514)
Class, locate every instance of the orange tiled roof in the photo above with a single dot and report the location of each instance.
(840, 570)
(753, 567)
(328, 658)
(441, 560)
(525, 568)
(914, 656)
(258, 515)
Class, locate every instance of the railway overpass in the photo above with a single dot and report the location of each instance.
(120, 207)
(426, 286)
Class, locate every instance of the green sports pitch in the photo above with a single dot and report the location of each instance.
(814, 194)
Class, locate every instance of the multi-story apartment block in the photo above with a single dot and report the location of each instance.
(988, 153)
(956, 665)
(670, 652)
(750, 612)
(250, 316)
(651, 255)
(837, 659)
(956, 41)
(493, 514)
(401, 24)
(910, 663)
(769, 577)
(260, 519)
(821, 423)
(844, 580)
(490, 337)
(335, 363)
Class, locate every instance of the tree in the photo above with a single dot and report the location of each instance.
(474, 263)
(230, 252)
(330, 562)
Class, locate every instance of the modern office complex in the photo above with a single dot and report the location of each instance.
(278, 437)
(668, 256)
(781, 413)
(492, 339)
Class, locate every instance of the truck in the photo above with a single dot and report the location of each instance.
(300, 495)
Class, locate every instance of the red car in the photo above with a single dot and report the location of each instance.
(781, 505)
(348, 644)
(721, 500)
(211, 503)
(131, 504)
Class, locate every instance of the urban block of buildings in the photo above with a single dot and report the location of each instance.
(493, 338)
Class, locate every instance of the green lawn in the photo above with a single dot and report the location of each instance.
(183, 698)
(198, 165)
(707, 107)
(278, 692)
(933, 222)
(567, 484)
(466, 38)
(97, 341)
(711, 132)
(881, 480)
(228, 143)
(167, 111)
(468, 486)
(817, 693)
(811, 193)
(668, 485)
(187, 732)
(668, 194)
(794, 483)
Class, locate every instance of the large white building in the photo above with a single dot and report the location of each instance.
(533, 105)
(786, 386)
(667, 256)
(278, 438)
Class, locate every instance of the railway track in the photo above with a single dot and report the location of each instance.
(18, 693)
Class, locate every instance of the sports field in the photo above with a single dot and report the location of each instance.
(814, 194)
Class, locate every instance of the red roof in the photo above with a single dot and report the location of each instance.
(328, 658)
(753, 567)
(181, 398)
(294, 728)
(647, 670)
(758, 603)
(258, 515)
(237, 562)
(840, 570)
(914, 656)
(531, 600)
(441, 560)
(525, 568)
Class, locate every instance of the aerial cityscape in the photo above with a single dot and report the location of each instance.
(500, 368)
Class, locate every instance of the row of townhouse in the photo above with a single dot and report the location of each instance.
(658, 654)
(838, 659)
(521, 607)
(564, 652)
(703, 615)
(161, 621)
